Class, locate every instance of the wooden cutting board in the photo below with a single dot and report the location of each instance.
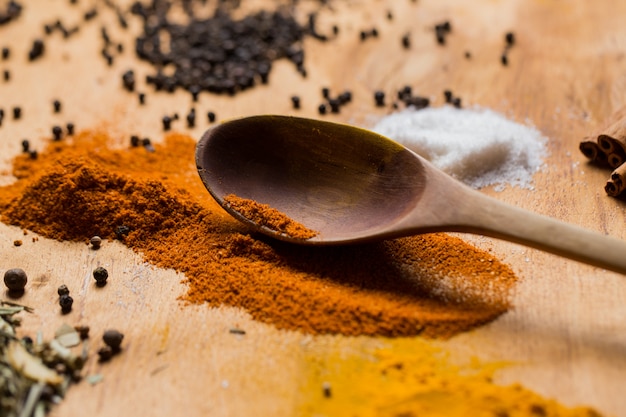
(565, 337)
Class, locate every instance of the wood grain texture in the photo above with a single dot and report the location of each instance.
(566, 335)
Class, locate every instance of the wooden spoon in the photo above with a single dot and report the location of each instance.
(353, 185)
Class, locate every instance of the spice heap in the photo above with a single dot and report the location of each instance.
(415, 378)
(436, 285)
(606, 146)
(477, 146)
(266, 216)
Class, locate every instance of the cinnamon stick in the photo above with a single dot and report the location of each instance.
(617, 183)
(610, 138)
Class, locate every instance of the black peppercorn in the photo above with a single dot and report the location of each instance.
(25, 145)
(6, 52)
(345, 97)
(295, 102)
(66, 301)
(379, 98)
(15, 279)
(36, 50)
(504, 59)
(57, 132)
(448, 96)
(191, 118)
(326, 389)
(211, 116)
(96, 242)
(195, 91)
(128, 79)
(509, 38)
(122, 230)
(56, 104)
(113, 339)
(83, 331)
(135, 141)
(101, 275)
(321, 109)
(326, 92)
(63, 290)
(456, 102)
(17, 113)
(70, 128)
(7, 75)
(33, 154)
(167, 123)
(147, 144)
(142, 98)
(406, 41)
(334, 105)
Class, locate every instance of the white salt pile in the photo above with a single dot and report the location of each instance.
(477, 146)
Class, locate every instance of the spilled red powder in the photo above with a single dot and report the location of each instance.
(436, 285)
(264, 215)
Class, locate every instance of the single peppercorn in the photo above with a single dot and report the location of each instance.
(326, 389)
(211, 116)
(295, 102)
(63, 290)
(95, 241)
(504, 59)
(101, 275)
(25, 145)
(56, 104)
(113, 339)
(36, 50)
(128, 79)
(509, 38)
(17, 112)
(6, 52)
(57, 132)
(142, 98)
(66, 301)
(70, 129)
(147, 144)
(191, 118)
(167, 123)
(33, 154)
(7, 75)
(406, 41)
(448, 96)
(334, 105)
(135, 141)
(321, 109)
(15, 279)
(379, 98)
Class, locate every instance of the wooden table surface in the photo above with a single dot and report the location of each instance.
(566, 335)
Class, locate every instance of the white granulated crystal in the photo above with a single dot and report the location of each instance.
(477, 146)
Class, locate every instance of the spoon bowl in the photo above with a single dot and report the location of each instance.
(352, 185)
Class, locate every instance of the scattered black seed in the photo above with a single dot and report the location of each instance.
(108, 57)
(326, 92)
(28, 342)
(326, 389)
(371, 33)
(57, 133)
(91, 14)
(295, 102)
(135, 141)
(105, 353)
(15, 280)
(345, 97)
(142, 98)
(63, 290)
(191, 118)
(25, 145)
(33, 154)
(122, 230)
(211, 116)
(101, 275)
(236, 330)
(12, 12)
(175, 116)
(70, 128)
(113, 339)
(147, 144)
(56, 104)
(96, 242)
(128, 79)
(406, 41)
(456, 102)
(448, 96)
(121, 19)
(66, 301)
(36, 50)
(509, 38)
(167, 123)
(6, 75)
(379, 98)
(6, 52)
(120, 48)
(83, 331)
(389, 15)
(321, 109)
(441, 31)
(334, 105)
(504, 59)
(17, 113)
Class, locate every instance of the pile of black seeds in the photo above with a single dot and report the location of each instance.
(217, 54)
(12, 12)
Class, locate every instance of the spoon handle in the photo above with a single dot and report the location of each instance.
(507, 222)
